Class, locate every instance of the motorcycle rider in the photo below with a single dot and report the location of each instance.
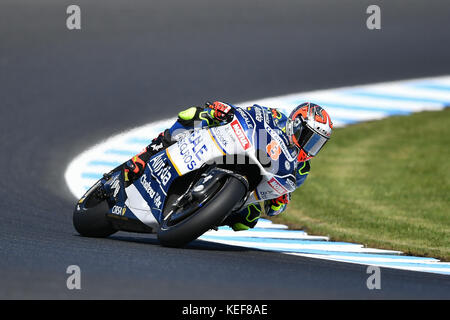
(308, 128)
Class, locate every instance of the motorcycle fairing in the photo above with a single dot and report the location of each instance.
(247, 134)
(154, 183)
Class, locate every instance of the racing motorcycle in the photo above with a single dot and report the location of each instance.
(194, 184)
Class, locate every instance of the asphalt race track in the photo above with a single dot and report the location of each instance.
(139, 61)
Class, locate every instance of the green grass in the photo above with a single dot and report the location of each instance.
(384, 184)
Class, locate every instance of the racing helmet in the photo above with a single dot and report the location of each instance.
(309, 127)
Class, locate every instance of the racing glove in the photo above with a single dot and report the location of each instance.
(274, 207)
(222, 110)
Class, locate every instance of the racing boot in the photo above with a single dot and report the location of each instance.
(244, 219)
(133, 168)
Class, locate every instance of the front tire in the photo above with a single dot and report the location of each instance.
(209, 215)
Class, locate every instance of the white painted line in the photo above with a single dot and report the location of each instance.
(418, 93)
(267, 234)
(263, 223)
(438, 267)
(372, 259)
(281, 247)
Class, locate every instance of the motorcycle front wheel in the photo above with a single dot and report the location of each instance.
(191, 222)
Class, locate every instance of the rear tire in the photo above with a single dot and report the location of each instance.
(211, 214)
(89, 217)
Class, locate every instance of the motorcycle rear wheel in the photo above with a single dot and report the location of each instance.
(89, 216)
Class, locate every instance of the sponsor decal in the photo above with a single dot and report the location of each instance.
(258, 114)
(282, 136)
(188, 157)
(240, 134)
(159, 168)
(275, 136)
(156, 147)
(291, 182)
(220, 138)
(216, 142)
(118, 210)
(192, 149)
(115, 186)
(267, 117)
(294, 153)
(265, 194)
(273, 149)
(157, 201)
(152, 193)
(246, 118)
(277, 186)
(287, 165)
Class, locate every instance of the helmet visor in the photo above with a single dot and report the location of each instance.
(310, 141)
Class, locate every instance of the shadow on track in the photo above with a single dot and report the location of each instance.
(194, 245)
